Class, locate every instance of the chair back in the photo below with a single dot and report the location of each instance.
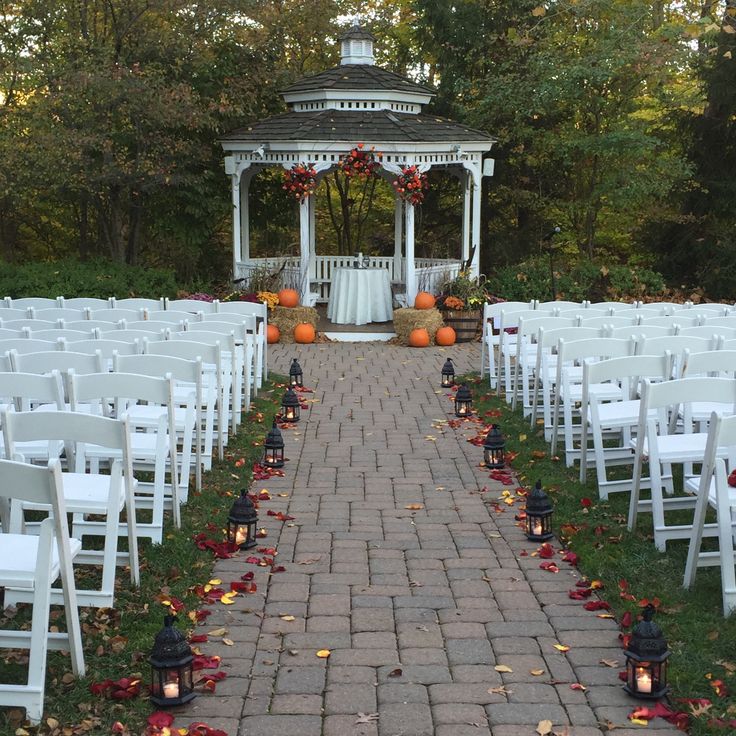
(37, 302)
(174, 316)
(57, 313)
(85, 302)
(57, 360)
(106, 348)
(116, 314)
(25, 345)
(24, 388)
(137, 303)
(132, 335)
(6, 315)
(709, 363)
(191, 305)
(71, 335)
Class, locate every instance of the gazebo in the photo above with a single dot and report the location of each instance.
(329, 113)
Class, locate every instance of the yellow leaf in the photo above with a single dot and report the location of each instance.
(536, 673)
(287, 617)
(215, 581)
(562, 648)
(323, 653)
(414, 506)
(729, 29)
(228, 599)
(217, 632)
(229, 642)
(522, 438)
(727, 55)
(539, 11)
(544, 728)
(502, 668)
(639, 721)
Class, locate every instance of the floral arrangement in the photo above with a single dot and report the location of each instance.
(453, 302)
(300, 181)
(463, 292)
(201, 296)
(411, 184)
(269, 297)
(361, 162)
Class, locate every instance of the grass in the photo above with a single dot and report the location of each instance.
(117, 642)
(702, 642)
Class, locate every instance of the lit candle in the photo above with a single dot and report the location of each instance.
(461, 410)
(240, 536)
(537, 527)
(643, 680)
(289, 413)
(171, 689)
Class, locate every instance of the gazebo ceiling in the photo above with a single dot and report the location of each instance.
(354, 126)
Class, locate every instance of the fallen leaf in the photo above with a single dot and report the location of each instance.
(366, 718)
(229, 642)
(544, 728)
(217, 632)
(502, 668)
(536, 673)
(501, 690)
(561, 647)
(287, 617)
(323, 653)
(610, 662)
(398, 672)
(308, 561)
(414, 506)
(578, 686)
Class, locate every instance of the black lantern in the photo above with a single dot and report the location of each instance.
(290, 407)
(296, 377)
(448, 374)
(241, 522)
(171, 662)
(538, 515)
(646, 659)
(463, 401)
(273, 448)
(494, 449)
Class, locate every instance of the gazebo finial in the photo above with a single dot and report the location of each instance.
(357, 45)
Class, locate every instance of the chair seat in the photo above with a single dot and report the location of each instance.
(148, 416)
(620, 413)
(18, 554)
(679, 448)
(701, 410)
(693, 486)
(601, 391)
(84, 493)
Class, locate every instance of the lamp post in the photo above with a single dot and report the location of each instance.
(242, 521)
(494, 449)
(538, 515)
(273, 448)
(296, 377)
(646, 659)
(463, 401)
(171, 660)
(290, 407)
(448, 374)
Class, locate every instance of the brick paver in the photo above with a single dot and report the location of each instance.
(398, 565)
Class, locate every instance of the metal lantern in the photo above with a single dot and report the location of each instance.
(241, 522)
(296, 377)
(494, 449)
(538, 515)
(172, 681)
(448, 374)
(463, 402)
(646, 659)
(290, 407)
(273, 448)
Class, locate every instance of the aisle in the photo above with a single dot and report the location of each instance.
(396, 564)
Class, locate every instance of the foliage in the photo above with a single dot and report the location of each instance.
(72, 278)
(575, 281)
(271, 298)
(263, 278)
(463, 292)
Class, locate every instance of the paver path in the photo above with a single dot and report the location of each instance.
(416, 606)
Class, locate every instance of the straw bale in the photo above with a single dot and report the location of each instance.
(287, 318)
(407, 319)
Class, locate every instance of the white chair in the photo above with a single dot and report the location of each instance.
(191, 305)
(639, 332)
(89, 324)
(559, 305)
(610, 321)
(709, 331)
(187, 412)
(56, 334)
(508, 324)
(491, 336)
(8, 315)
(37, 302)
(729, 321)
(30, 323)
(569, 387)
(34, 563)
(85, 493)
(683, 318)
(57, 313)
(116, 314)
(151, 325)
(713, 310)
(174, 316)
(106, 348)
(655, 441)
(12, 334)
(261, 313)
(24, 345)
(714, 491)
(85, 302)
(604, 419)
(152, 439)
(614, 307)
(675, 344)
(137, 303)
(131, 335)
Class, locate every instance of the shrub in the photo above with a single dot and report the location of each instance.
(71, 278)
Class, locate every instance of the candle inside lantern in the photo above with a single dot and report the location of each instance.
(241, 536)
(643, 680)
(289, 413)
(537, 527)
(462, 410)
(171, 689)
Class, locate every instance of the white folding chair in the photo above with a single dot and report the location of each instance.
(614, 307)
(151, 325)
(709, 331)
(191, 305)
(106, 348)
(508, 324)
(33, 563)
(656, 441)
(37, 302)
(57, 313)
(89, 324)
(491, 336)
(261, 313)
(85, 302)
(30, 323)
(683, 318)
(116, 314)
(677, 345)
(610, 321)
(8, 315)
(639, 332)
(606, 419)
(137, 303)
(25, 345)
(559, 305)
(714, 491)
(131, 335)
(85, 493)
(174, 316)
(56, 334)
(729, 321)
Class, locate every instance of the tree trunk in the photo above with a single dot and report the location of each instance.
(134, 228)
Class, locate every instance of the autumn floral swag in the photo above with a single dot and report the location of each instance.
(300, 181)
(411, 184)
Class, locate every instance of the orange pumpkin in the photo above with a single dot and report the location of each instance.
(419, 338)
(304, 333)
(424, 300)
(445, 336)
(288, 298)
(273, 334)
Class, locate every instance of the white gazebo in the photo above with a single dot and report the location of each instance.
(329, 113)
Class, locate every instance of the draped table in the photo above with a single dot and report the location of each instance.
(359, 296)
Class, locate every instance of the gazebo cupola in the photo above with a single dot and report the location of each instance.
(328, 114)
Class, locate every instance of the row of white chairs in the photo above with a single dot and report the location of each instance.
(187, 305)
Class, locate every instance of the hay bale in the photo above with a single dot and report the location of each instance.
(287, 318)
(407, 319)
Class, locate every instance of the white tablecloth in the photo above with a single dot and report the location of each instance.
(359, 296)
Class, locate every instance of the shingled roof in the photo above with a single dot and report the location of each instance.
(358, 77)
(357, 32)
(352, 126)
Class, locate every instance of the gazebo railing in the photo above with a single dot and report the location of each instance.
(430, 272)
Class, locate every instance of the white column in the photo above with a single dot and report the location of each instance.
(475, 265)
(466, 182)
(235, 179)
(398, 233)
(411, 275)
(312, 237)
(304, 249)
(245, 216)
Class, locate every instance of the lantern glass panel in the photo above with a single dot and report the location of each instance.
(273, 457)
(494, 457)
(538, 526)
(296, 376)
(448, 374)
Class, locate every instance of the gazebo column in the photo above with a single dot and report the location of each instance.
(466, 182)
(304, 240)
(475, 264)
(245, 216)
(312, 237)
(411, 273)
(398, 237)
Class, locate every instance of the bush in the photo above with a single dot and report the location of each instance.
(96, 278)
(575, 282)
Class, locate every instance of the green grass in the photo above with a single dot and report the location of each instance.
(700, 638)
(117, 642)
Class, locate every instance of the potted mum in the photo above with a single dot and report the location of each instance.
(461, 301)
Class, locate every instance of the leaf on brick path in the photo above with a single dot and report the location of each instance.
(544, 728)
(500, 690)
(627, 619)
(398, 672)
(323, 653)
(366, 718)
(308, 561)
(610, 662)
(596, 584)
(287, 617)
(546, 551)
(502, 668)
(578, 686)
(579, 594)
(422, 628)
(597, 606)
(549, 567)
(537, 673)
(644, 602)
(218, 632)
(561, 647)
(571, 557)
(228, 599)
(228, 642)
(414, 506)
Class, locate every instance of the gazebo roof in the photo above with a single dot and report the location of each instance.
(358, 77)
(357, 32)
(352, 126)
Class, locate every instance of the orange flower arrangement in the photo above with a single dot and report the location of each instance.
(360, 162)
(411, 184)
(453, 302)
(300, 181)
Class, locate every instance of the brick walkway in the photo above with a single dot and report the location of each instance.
(418, 607)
